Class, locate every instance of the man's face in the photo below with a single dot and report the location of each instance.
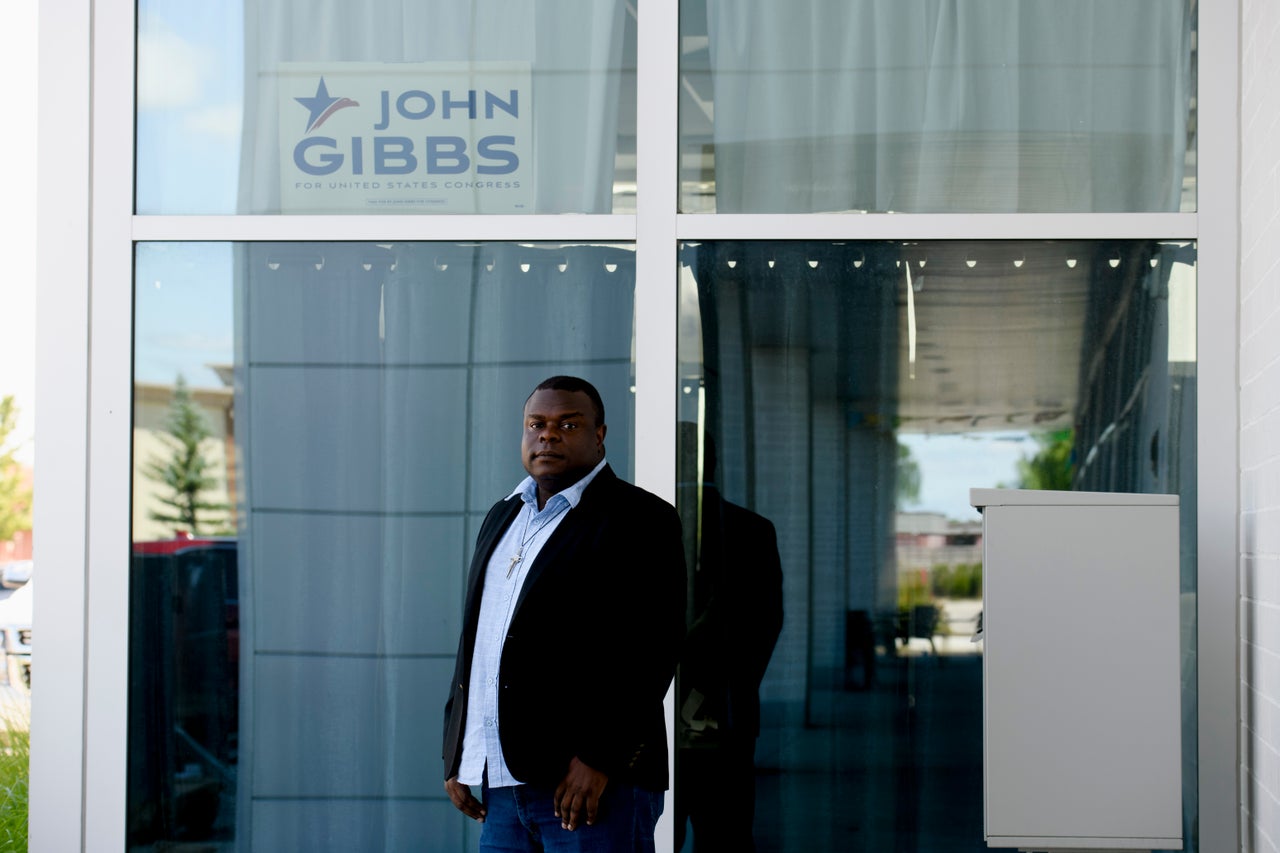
(561, 442)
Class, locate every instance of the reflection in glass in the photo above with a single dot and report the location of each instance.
(290, 651)
(734, 619)
(389, 106)
(927, 106)
(852, 394)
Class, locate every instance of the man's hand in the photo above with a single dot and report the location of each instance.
(578, 794)
(462, 799)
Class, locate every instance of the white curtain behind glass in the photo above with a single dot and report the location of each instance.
(378, 391)
(573, 46)
(949, 105)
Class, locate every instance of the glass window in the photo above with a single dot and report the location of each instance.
(926, 106)
(319, 429)
(390, 106)
(838, 401)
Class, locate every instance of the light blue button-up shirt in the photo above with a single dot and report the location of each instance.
(503, 578)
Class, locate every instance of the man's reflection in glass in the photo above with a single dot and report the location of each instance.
(736, 617)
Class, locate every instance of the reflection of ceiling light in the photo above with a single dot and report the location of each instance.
(1071, 263)
(632, 389)
(857, 265)
(1155, 262)
(441, 267)
(524, 267)
(367, 266)
(732, 264)
(970, 263)
(813, 265)
(688, 390)
(911, 326)
(1113, 262)
(1018, 262)
(610, 267)
(771, 263)
(920, 263)
(562, 267)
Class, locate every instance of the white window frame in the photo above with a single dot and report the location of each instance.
(85, 252)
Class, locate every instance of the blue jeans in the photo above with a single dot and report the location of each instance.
(521, 819)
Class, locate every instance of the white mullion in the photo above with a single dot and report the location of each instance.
(1217, 430)
(56, 783)
(937, 226)
(657, 183)
(549, 228)
(110, 427)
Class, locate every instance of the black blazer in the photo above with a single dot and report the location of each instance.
(737, 618)
(593, 642)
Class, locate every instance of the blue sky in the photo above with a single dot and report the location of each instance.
(950, 465)
(190, 106)
(183, 312)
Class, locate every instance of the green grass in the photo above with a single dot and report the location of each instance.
(15, 756)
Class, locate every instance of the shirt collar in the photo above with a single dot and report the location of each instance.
(528, 489)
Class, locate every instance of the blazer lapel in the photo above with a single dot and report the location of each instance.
(567, 533)
(496, 524)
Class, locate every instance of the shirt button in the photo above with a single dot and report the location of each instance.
(488, 721)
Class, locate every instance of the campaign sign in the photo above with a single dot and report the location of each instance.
(440, 137)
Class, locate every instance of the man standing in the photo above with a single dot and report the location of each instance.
(572, 627)
(736, 617)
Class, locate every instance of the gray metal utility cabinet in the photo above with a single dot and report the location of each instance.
(1081, 713)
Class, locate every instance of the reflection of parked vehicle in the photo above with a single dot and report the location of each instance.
(184, 657)
(15, 574)
(15, 627)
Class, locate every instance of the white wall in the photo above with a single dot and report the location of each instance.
(1260, 424)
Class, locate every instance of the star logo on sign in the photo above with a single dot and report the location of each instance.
(322, 105)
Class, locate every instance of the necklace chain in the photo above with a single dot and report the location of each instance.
(525, 537)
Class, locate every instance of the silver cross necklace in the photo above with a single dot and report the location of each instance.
(525, 537)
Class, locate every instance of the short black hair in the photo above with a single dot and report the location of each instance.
(572, 384)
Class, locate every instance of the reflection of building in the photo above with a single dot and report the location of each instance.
(151, 442)
(19, 547)
(939, 560)
(928, 539)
